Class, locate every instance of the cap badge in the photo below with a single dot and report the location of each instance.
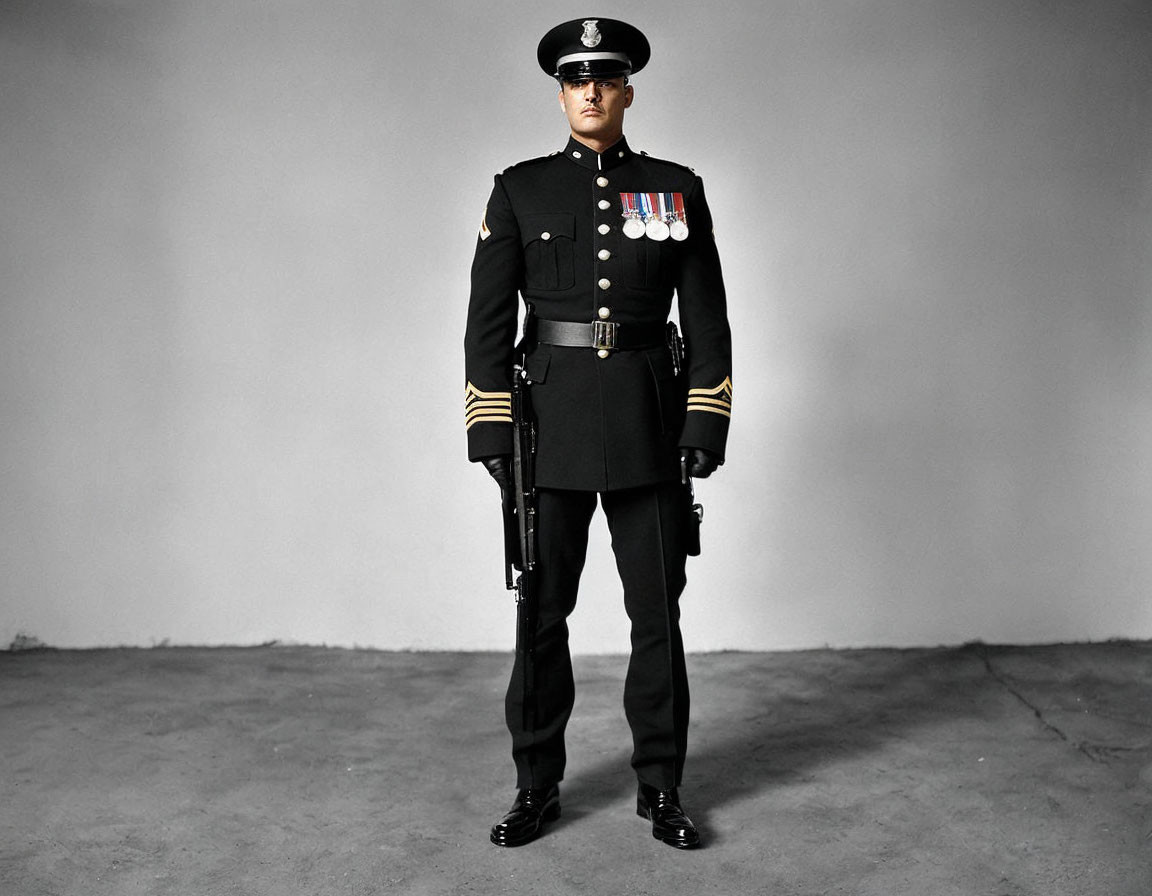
(591, 36)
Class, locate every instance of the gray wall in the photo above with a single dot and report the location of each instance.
(233, 264)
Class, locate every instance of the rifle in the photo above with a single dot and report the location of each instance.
(520, 537)
(695, 512)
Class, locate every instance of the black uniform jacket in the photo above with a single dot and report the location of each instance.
(552, 232)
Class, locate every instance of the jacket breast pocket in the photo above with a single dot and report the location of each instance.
(650, 264)
(549, 250)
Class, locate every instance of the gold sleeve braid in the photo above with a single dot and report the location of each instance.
(717, 400)
(486, 407)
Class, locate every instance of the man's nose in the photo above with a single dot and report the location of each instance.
(591, 91)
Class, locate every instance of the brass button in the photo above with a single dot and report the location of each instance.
(604, 203)
(576, 154)
(601, 181)
(605, 313)
(603, 353)
(604, 283)
(603, 228)
(545, 235)
(603, 254)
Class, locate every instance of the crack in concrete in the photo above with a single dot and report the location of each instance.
(1087, 750)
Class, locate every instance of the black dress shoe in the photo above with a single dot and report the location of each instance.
(669, 823)
(526, 818)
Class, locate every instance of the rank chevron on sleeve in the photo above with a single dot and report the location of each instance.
(717, 400)
(486, 407)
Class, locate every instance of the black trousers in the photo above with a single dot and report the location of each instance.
(648, 539)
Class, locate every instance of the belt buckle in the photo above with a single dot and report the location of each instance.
(604, 335)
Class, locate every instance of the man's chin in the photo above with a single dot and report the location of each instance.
(592, 130)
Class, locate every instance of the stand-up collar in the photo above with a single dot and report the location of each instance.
(586, 157)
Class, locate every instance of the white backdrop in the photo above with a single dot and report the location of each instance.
(234, 268)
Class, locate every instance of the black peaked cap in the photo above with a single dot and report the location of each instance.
(593, 48)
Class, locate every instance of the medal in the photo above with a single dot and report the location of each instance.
(633, 226)
(655, 229)
(657, 216)
(678, 228)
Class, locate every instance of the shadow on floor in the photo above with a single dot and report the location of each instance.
(759, 724)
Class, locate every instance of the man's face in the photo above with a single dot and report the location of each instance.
(595, 109)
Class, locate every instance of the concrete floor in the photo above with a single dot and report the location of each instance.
(982, 770)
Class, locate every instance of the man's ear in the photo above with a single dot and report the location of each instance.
(628, 94)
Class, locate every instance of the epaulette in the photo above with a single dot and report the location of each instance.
(667, 162)
(528, 162)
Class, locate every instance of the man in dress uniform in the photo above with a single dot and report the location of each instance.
(597, 239)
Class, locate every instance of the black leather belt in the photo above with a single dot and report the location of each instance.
(602, 335)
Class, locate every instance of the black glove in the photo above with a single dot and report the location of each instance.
(701, 463)
(499, 467)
